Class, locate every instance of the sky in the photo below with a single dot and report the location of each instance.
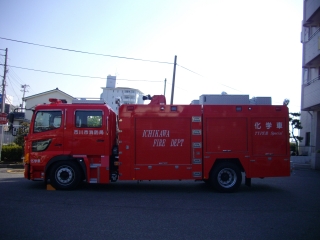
(245, 47)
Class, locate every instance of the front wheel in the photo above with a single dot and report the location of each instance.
(65, 175)
(226, 177)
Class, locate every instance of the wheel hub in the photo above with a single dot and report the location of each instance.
(65, 175)
(227, 177)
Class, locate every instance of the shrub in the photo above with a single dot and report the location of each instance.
(11, 153)
(22, 131)
(293, 147)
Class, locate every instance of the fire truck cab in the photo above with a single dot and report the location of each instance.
(69, 142)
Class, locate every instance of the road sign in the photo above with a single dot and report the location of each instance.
(3, 118)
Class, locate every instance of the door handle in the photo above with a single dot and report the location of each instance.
(100, 140)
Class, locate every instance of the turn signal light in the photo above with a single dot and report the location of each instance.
(26, 158)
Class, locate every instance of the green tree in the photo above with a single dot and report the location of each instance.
(22, 131)
(295, 123)
(94, 121)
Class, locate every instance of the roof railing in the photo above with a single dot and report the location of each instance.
(88, 101)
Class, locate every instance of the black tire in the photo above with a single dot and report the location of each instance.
(226, 177)
(65, 175)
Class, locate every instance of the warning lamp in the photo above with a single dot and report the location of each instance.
(53, 100)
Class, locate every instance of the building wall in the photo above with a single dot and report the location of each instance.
(309, 7)
(317, 132)
(307, 121)
(126, 96)
(311, 47)
(310, 84)
(310, 96)
(310, 87)
(111, 81)
(311, 124)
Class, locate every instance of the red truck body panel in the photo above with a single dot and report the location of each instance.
(156, 142)
(257, 135)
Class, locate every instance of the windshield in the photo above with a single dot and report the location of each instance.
(47, 120)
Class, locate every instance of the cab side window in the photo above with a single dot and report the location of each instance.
(88, 119)
(47, 120)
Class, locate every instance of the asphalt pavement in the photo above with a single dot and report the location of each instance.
(272, 208)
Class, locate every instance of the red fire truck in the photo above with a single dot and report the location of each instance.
(87, 141)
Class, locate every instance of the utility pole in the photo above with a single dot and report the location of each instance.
(165, 83)
(24, 91)
(173, 78)
(3, 102)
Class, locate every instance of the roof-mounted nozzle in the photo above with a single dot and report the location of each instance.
(147, 97)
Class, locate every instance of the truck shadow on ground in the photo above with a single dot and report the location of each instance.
(182, 187)
(145, 186)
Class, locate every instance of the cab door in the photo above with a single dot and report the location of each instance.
(89, 133)
(46, 136)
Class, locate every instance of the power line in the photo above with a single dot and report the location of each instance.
(136, 80)
(74, 75)
(15, 76)
(97, 54)
(77, 51)
(205, 77)
(12, 73)
(190, 70)
(13, 88)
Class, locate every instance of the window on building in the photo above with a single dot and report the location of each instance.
(307, 143)
(306, 34)
(305, 75)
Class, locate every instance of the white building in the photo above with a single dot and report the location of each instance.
(32, 101)
(111, 94)
(310, 86)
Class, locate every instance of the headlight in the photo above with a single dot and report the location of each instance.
(39, 146)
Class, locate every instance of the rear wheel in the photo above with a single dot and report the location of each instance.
(65, 175)
(226, 177)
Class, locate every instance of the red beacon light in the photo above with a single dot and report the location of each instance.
(56, 101)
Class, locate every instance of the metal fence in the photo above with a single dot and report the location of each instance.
(6, 135)
(306, 150)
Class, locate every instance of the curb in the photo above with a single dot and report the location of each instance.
(16, 166)
(15, 170)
